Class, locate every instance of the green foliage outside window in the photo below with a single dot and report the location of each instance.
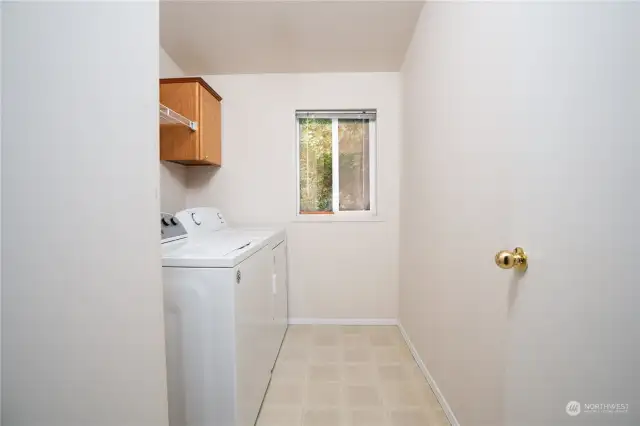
(316, 176)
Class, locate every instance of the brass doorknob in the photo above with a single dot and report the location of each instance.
(512, 259)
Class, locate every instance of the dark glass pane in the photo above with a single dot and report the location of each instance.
(353, 138)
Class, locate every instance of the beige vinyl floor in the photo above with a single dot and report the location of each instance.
(348, 376)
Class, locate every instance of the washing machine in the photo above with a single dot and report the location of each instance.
(203, 222)
(217, 324)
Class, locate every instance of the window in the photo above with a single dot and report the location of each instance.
(336, 162)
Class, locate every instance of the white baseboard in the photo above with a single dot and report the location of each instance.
(343, 321)
(434, 386)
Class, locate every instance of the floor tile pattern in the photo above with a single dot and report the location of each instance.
(348, 376)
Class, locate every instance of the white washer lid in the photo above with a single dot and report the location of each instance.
(225, 251)
(272, 236)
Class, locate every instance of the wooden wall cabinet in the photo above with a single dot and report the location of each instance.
(196, 100)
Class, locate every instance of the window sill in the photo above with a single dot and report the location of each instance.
(329, 218)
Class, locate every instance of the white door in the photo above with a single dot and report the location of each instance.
(574, 316)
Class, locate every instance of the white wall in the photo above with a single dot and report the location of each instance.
(82, 310)
(452, 217)
(337, 270)
(173, 176)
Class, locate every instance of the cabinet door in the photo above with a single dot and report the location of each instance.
(210, 128)
(178, 142)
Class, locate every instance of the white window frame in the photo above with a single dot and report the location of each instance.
(337, 215)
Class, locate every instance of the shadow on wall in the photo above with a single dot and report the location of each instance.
(514, 288)
(200, 176)
(177, 171)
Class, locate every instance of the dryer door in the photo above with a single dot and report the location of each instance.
(252, 323)
(281, 317)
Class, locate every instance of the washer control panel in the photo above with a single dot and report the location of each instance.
(202, 220)
(171, 228)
